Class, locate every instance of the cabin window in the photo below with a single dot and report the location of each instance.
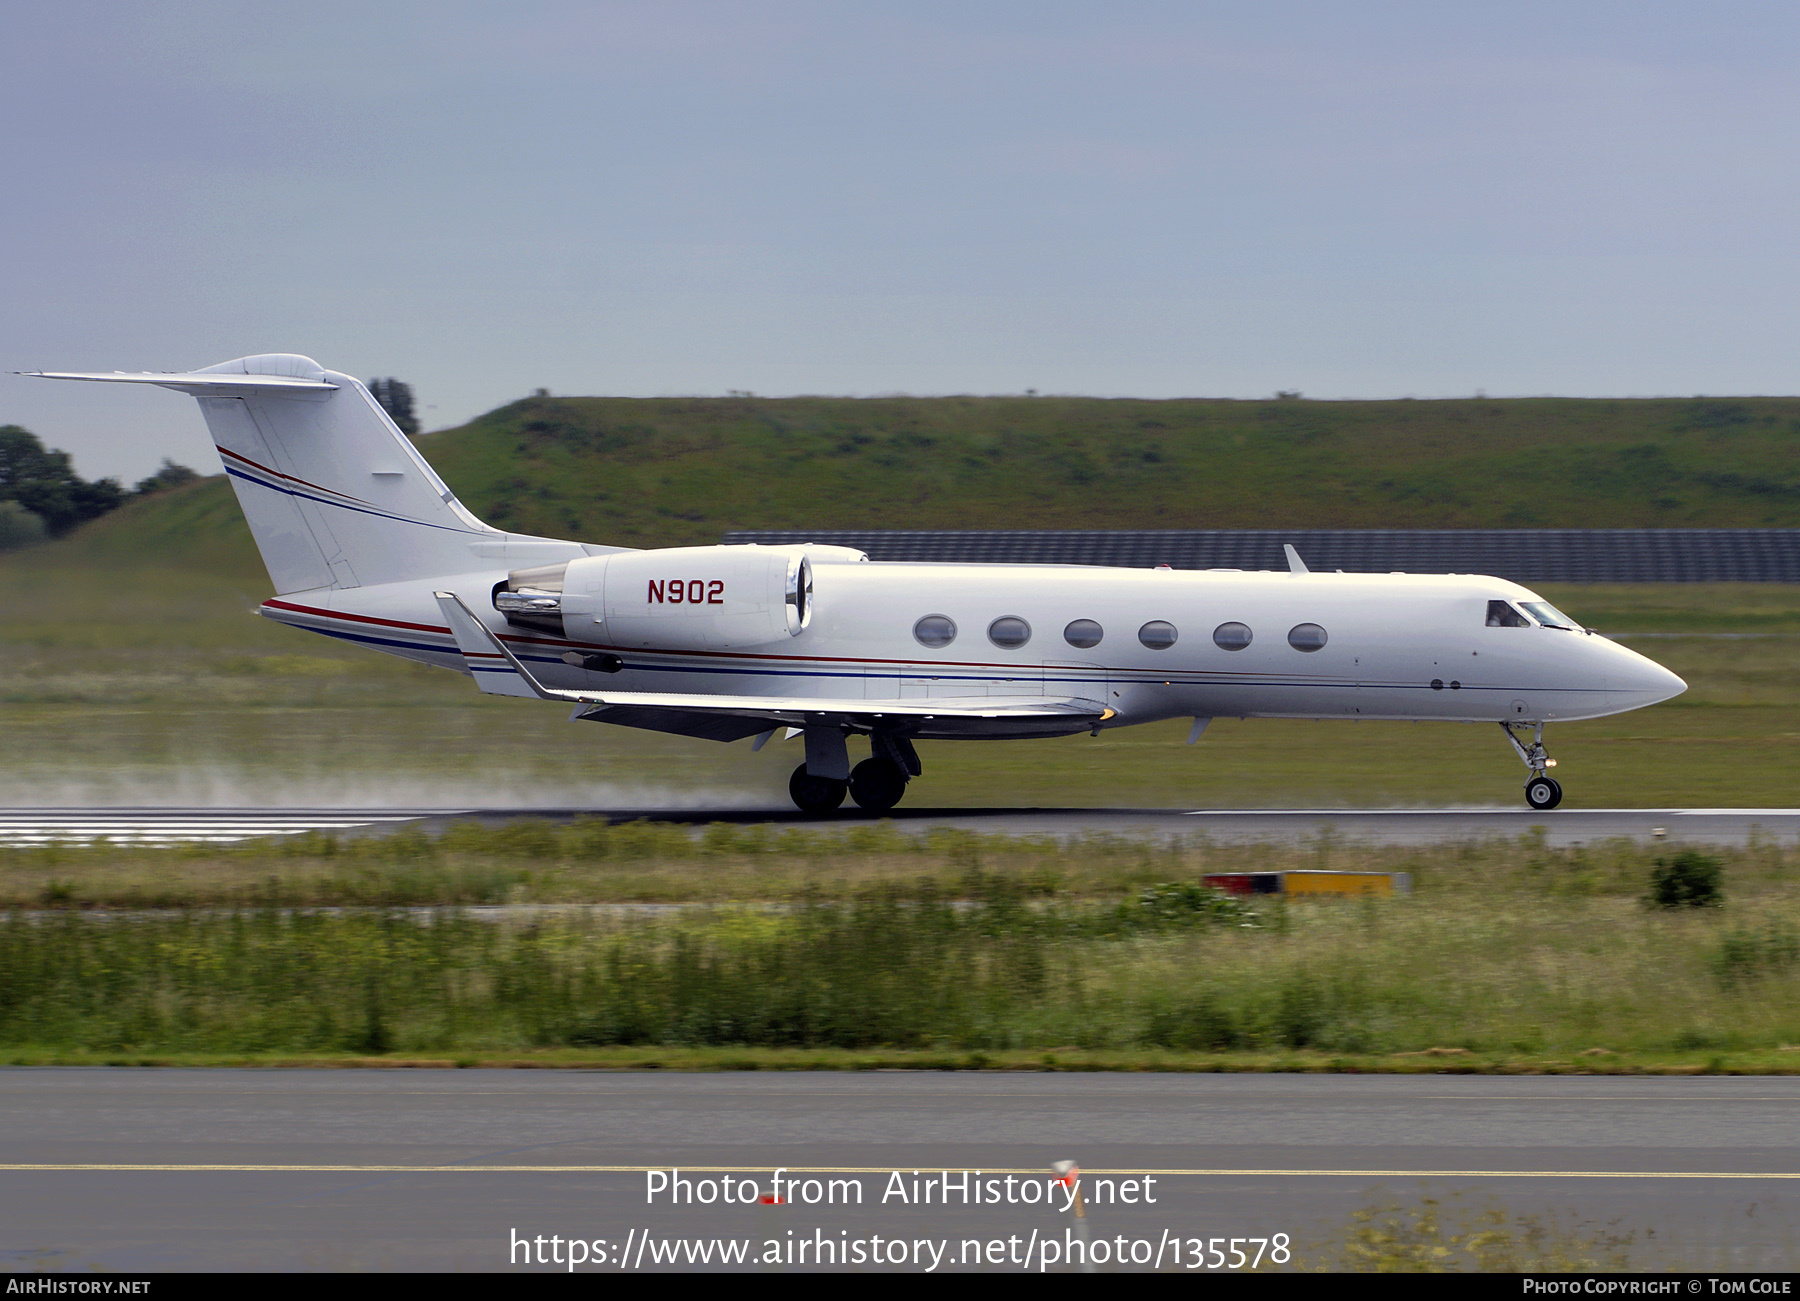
(1009, 632)
(1549, 615)
(935, 630)
(1306, 637)
(1232, 636)
(1502, 615)
(1083, 633)
(1158, 635)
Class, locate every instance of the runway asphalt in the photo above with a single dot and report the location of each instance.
(130, 1170)
(1382, 826)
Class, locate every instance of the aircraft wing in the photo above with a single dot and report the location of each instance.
(721, 717)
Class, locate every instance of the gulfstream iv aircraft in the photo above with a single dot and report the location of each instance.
(364, 542)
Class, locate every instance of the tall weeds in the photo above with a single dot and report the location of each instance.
(869, 938)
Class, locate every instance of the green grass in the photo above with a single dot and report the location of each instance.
(961, 950)
(255, 713)
(1454, 1233)
(738, 1058)
(146, 708)
(588, 861)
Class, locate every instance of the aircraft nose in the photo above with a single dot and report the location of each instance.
(1636, 680)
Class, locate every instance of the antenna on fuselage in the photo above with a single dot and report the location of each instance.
(1295, 564)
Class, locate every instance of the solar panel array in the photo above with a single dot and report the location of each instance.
(1523, 555)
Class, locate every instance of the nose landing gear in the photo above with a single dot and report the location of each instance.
(1541, 791)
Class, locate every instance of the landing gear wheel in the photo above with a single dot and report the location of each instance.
(1543, 793)
(877, 785)
(814, 794)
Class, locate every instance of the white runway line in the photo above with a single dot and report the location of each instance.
(39, 827)
(1484, 812)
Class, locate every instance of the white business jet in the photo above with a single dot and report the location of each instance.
(364, 542)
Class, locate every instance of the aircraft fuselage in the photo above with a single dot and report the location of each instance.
(1395, 646)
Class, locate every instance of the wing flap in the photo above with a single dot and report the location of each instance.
(704, 725)
(801, 710)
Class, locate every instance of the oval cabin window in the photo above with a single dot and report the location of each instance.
(1158, 635)
(935, 630)
(1232, 636)
(1009, 631)
(1307, 637)
(1083, 633)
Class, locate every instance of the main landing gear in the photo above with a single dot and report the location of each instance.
(1541, 791)
(876, 784)
(815, 794)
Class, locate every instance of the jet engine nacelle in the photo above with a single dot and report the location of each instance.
(677, 598)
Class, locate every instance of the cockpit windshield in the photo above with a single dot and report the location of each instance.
(1549, 615)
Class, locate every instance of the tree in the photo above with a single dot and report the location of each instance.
(44, 482)
(63, 505)
(396, 399)
(168, 475)
(23, 459)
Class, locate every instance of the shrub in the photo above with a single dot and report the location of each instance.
(1743, 955)
(1186, 901)
(1689, 880)
(1202, 1024)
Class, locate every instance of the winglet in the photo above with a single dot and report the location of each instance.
(496, 669)
(1295, 564)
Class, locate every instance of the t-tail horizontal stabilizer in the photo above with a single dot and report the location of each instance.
(198, 383)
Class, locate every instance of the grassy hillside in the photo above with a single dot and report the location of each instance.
(196, 527)
(681, 471)
(661, 471)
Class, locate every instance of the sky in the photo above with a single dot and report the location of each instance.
(1130, 199)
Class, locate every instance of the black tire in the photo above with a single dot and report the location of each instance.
(877, 785)
(814, 794)
(1543, 792)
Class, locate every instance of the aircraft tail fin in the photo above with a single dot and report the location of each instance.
(335, 494)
